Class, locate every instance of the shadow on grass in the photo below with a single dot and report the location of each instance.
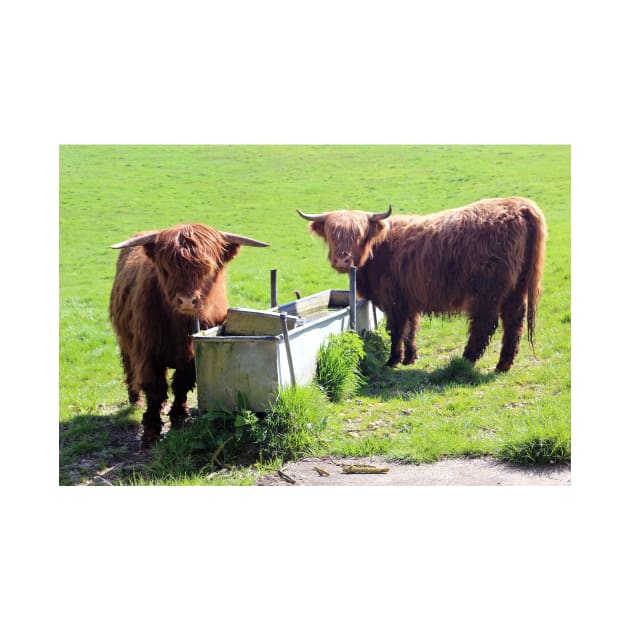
(104, 449)
(394, 383)
(99, 449)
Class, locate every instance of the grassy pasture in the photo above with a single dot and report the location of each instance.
(416, 413)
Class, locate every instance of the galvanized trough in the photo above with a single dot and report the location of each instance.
(259, 352)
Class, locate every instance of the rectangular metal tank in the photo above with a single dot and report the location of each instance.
(250, 354)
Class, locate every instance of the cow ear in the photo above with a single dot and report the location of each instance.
(149, 250)
(378, 230)
(229, 251)
(317, 227)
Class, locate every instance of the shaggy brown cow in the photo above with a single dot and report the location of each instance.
(485, 259)
(164, 281)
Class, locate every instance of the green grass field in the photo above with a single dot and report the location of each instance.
(413, 413)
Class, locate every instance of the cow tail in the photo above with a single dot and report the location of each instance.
(535, 264)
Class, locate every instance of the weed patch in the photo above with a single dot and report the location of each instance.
(376, 346)
(225, 439)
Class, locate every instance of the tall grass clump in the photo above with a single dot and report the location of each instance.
(293, 426)
(538, 443)
(338, 372)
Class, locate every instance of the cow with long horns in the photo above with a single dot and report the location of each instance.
(166, 282)
(485, 259)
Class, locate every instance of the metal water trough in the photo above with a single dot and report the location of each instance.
(259, 352)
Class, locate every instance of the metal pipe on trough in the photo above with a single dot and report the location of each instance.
(353, 298)
(196, 327)
(287, 345)
(274, 288)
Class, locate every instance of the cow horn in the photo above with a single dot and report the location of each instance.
(141, 239)
(237, 239)
(379, 216)
(310, 217)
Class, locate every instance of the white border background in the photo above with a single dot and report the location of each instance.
(326, 72)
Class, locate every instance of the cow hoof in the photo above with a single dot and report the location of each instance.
(178, 422)
(392, 363)
(150, 435)
(178, 416)
(147, 443)
(502, 368)
(410, 360)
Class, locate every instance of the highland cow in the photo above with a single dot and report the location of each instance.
(485, 260)
(167, 283)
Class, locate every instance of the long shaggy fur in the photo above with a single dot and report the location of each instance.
(485, 259)
(152, 334)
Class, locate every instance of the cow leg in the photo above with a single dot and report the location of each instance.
(409, 335)
(156, 393)
(183, 382)
(512, 317)
(132, 390)
(480, 329)
(396, 326)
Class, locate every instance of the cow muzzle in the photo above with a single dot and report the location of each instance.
(187, 304)
(341, 262)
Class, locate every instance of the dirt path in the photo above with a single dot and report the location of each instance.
(481, 471)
